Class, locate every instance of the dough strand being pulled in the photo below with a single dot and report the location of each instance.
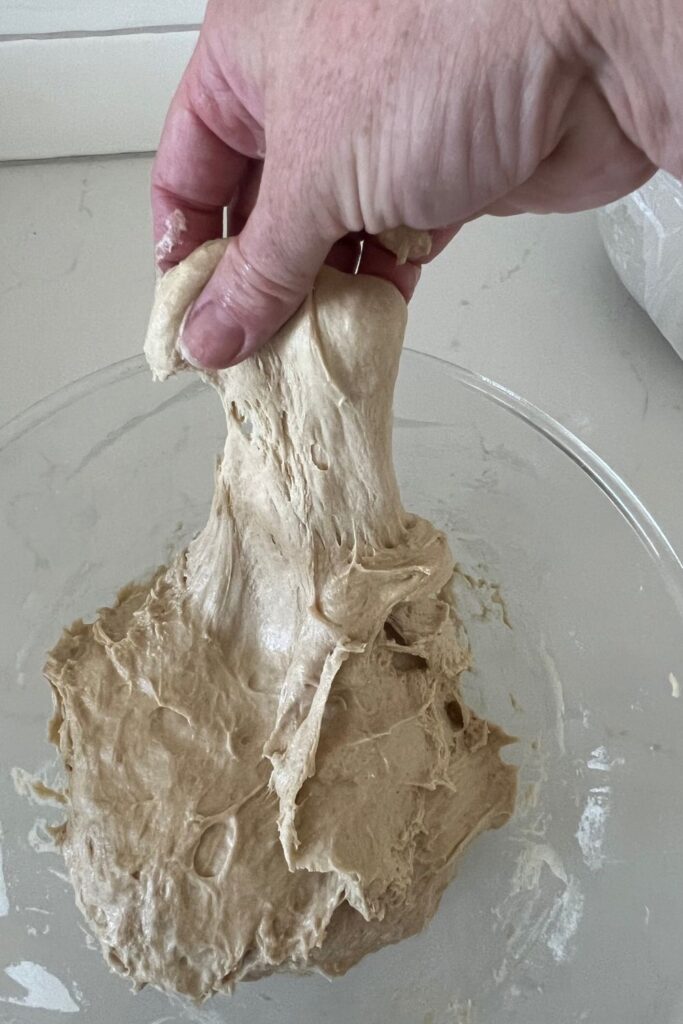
(270, 764)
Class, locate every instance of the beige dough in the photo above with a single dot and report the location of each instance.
(270, 765)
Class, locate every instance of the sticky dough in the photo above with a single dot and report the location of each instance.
(270, 764)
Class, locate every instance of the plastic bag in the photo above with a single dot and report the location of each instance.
(643, 236)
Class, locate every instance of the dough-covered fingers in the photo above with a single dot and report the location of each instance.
(203, 161)
(381, 261)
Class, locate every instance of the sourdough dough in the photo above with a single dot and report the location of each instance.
(270, 765)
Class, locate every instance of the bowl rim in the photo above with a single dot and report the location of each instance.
(622, 497)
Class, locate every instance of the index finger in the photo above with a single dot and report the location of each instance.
(196, 173)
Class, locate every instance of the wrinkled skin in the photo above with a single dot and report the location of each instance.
(321, 122)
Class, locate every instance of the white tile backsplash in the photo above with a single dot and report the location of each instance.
(88, 95)
(35, 17)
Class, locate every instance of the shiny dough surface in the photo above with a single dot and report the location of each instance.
(270, 764)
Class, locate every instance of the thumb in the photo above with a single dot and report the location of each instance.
(265, 274)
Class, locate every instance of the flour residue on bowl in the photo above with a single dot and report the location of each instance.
(592, 828)
(600, 761)
(4, 898)
(41, 837)
(463, 1012)
(526, 915)
(480, 597)
(558, 692)
(43, 991)
(35, 789)
(542, 911)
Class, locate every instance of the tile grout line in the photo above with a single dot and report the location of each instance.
(78, 158)
(98, 33)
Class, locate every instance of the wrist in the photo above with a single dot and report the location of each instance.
(632, 49)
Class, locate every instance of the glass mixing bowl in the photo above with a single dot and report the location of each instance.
(573, 600)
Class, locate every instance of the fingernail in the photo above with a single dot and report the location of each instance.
(211, 338)
(187, 355)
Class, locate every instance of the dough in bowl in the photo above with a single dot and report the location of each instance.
(270, 764)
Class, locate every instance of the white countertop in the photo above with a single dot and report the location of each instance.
(531, 302)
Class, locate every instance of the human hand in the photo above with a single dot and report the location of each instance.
(322, 123)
